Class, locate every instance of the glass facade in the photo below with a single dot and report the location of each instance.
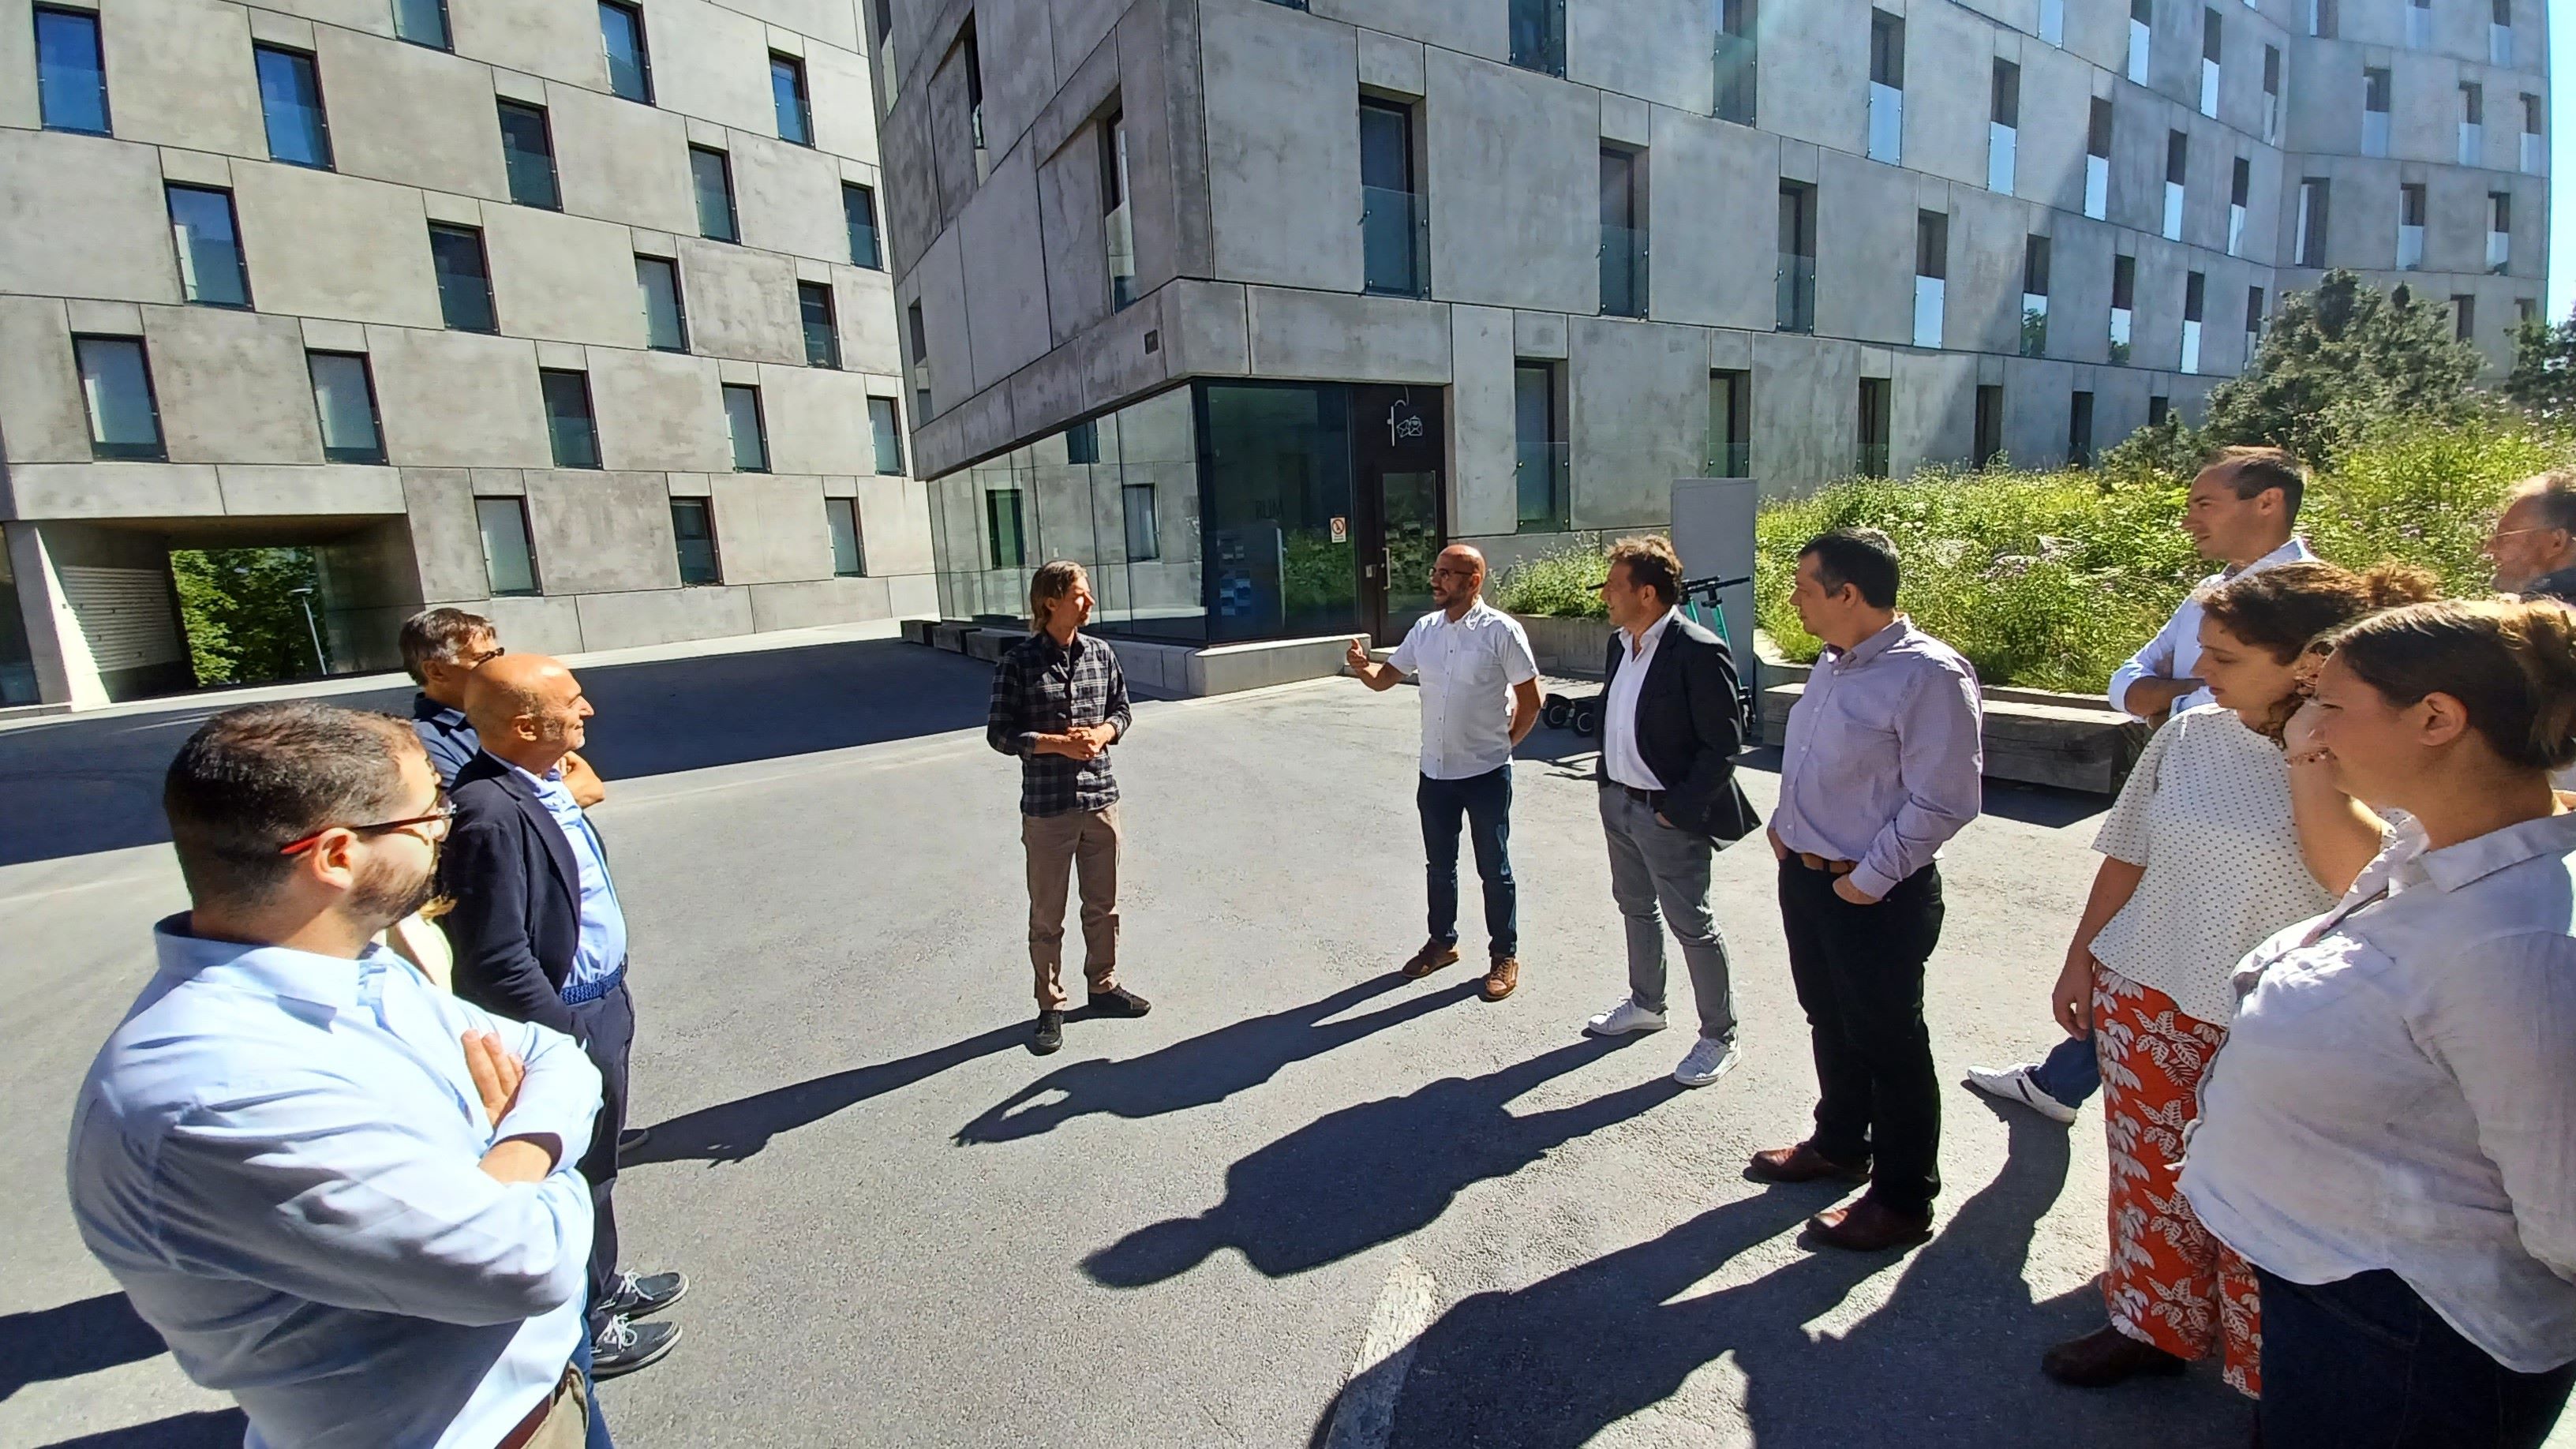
(1215, 512)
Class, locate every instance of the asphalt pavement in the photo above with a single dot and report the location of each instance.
(1304, 1202)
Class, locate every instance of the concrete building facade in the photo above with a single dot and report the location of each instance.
(1248, 304)
(568, 312)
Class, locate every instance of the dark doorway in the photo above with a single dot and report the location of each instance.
(1397, 438)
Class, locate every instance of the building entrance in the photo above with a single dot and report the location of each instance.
(1396, 441)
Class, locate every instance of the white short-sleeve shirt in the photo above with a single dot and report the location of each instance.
(1468, 667)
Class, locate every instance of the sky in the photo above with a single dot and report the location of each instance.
(2562, 142)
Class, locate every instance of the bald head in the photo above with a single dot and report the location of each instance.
(1456, 578)
(528, 709)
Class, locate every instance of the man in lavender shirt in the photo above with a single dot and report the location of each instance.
(1882, 763)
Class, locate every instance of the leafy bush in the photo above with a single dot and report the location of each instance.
(243, 623)
(1555, 585)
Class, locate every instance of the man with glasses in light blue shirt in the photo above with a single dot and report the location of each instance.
(339, 1194)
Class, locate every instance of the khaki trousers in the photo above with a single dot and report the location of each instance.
(561, 1422)
(1077, 842)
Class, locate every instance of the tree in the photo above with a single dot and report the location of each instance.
(2338, 361)
(244, 624)
(2543, 380)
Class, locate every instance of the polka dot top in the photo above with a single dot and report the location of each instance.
(2207, 812)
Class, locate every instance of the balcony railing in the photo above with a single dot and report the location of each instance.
(2208, 87)
(1872, 461)
(2139, 39)
(1538, 35)
(1395, 238)
(2374, 133)
(1738, 64)
(1927, 310)
(1541, 484)
(2120, 335)
(2034, 325)
(2190, 346)
(2052, 21)
(1797, 285)
(1732, 459)
(2499, 44)
(2410, 248)
(1623, 271)
(2499, 250)
(2173, 211)
(2531, 153)
(2235, 228)
(2097, 186)
(2473, 142)
(2001, 142)
(1886, 123)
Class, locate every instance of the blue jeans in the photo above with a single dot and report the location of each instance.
(597, 1437)
(1486, 803)
(2071, 1072)
(2367, 1361)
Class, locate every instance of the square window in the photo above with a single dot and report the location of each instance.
(71, 72)
(116, 384)
(211, 271)
(711, 174)
(849, 553)
(464, 281)
(290, 99)
(693, 531)
(528, 150)
(666, 316)
(888, 431)
(630, 65)
(570, 427)
(509, 566)
(743, 424)
(344, 397)
(822, 334)
(1082, 442)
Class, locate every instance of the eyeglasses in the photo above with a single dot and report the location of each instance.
(479, 660)
(440, 816)
(1440, 571)
(2494, 535)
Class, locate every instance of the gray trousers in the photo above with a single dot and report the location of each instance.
(1657, 873)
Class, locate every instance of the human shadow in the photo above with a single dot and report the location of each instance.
(1950, 1359)
(1204, 1069)
(1374, 1172)
(205, 1429)
(735, 1130)
(72, 1339)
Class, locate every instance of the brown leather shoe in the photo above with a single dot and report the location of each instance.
(2107, 1356)
(1503, 978)
(1869, 1226)
(1432, 956)
(1802, 1163)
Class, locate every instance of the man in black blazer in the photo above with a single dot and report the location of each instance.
(1670, 726)
(539, 935)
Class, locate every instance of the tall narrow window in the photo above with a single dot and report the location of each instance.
(2253, 323)
(1931, 274)
(1739, 61)
(2419, 23)
(787, 95)
(2052, 22)
(1116, 224)
(630, 64)
(886, 431)
(693, 535)
(1989, 421)
(528, 153)
(1392, 216)
(973, 59)
(2375, 91)
(422, 22)
(1623, 235)
(2533, 114)
(2323, 20)
(2097, 160)
(1797, 269)
(849, 546)
(666, 313)
(509, 565)
(2034, 296)
(570, 428)
(1876, 400)
(1538, 427)
(887, 70)
(2473, 118)
(746, 428)
(1002, 528)
(116, 384)
(2500, 33)
(2271, 94)
(1886, 87)
(2195, 296)
(2211, 31)
(2142, 29)
(2240, 191)
(290, 100)
(2177, 171)
(2410, 226)
(1082, 442)
(2124, 303)
(2079, 429)
(464, 279)
(2464, 316)
(1144, 530)
(2499, 230)
(859, 211)
(1538, 35)
(2003, 127)
(344, 398)
(1730, 424)
(209, 241)
(822, 331)
(711, 174)
(2313, 192)
(71, 72)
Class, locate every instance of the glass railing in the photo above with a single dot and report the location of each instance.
(1886, 123)
(1395, 240)
(2374, 133)
(1541, 484)
(1738, 65)
(2034, 325)
(1872, 462)
(2190, 346)
(1122, 256)
(2120, 335)
(2499, 250)
(1623, 271)
(1538, 35)
(2410, 248)
(1797, 283)
(1732, 459)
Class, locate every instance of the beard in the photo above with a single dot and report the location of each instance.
(386, 893)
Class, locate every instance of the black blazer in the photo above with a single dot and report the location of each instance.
(516, 919)
(1689, 728)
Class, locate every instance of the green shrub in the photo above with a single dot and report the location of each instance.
(1555, 585)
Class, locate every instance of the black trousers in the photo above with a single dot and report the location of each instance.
(2366, 1361)
(1859, 973)
(608, 1035)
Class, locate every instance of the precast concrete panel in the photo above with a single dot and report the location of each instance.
(1076, 246)
(1864, 249)
(1949, 82)
(658, 410)
(909, 189)
(1283, 137)
(742, 303)
(457, 399)
(770, 528)
(564, 278)
(1472, 27)
(1016, 41)
(789, 198)
(114, 490)
(1981, 305)
(1829, 105)
(863, 305)
(2098, 33)
(321, 245)
(999, 246)
(595, 532)
(2080, 259)
(834, 22)
(1167, 140)
(2056, 107)
(844, 102)
(1079, 26)
(1514, 179)
(1656, 50)
(1932, 414)
(619, 161)
(446, 537)
(231, 386)
(2140, 121)
(942, 283)
(950, 139)
(1329, 336)
(1637, 416)
(106, 195)
(559, 41)
(274, 490)
(818, 422)
(534, 625)
(712, 64)
(18, 101)
(813, 602)
(179, 74)
(1806, 411)
(42, 418)
(2037, 400)
(2157, 341)
(1483, 497)
(623, 621)
(1710, 200)
(2455, 208)
(406, 113)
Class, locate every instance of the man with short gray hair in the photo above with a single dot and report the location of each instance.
(441, 649)
(2533, 543)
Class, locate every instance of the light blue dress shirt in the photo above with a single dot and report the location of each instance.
(602, 948)
(276, 1156)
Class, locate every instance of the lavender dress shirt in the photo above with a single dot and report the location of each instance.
(1883, 760)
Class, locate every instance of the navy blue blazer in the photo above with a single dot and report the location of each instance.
(515, 922)
(1690, 724)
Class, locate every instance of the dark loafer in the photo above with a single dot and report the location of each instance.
(1869, 1226)
(2106, 1356)
(1118, 1001)
(1802, 1163)
(1050, 1034)
(1432, 956)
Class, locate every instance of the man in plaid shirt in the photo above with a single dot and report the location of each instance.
(1059, 703)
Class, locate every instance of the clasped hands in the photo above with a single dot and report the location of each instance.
(497, 1073)
(1082, 742)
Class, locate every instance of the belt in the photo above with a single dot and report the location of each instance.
(526, 1429)
(593, 990)
(1825, 863)
(1642, 797)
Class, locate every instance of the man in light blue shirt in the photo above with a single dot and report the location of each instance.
(339, 1194)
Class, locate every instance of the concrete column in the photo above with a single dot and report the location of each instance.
(64, 671)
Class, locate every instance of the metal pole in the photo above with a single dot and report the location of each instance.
(305, 597)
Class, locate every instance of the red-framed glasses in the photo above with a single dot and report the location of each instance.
(444, 813)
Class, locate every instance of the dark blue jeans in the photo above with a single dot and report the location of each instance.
(597, 1437)
(1486, 803)
(2365, 1362)
(2071, 1072)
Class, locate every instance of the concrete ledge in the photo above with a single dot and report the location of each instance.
(2033, 737)
(1566, 646)
(918, 630)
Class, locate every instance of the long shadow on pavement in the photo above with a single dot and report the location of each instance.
(205, 1429)
(72, 1339)
(75, 786)
(732, 1131)
(1204, 1069)
(1950, 1359)
(1375, 1172)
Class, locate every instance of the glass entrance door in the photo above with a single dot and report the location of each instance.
(1397, 441)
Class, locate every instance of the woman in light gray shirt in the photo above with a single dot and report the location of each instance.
(2390, 1136)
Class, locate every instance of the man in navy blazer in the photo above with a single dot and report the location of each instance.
(539, 936)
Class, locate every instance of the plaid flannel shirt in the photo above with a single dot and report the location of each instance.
(1045, 688)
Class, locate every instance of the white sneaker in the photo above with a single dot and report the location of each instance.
(2013, 1084)
(1625, 1018)
(1709, 1059)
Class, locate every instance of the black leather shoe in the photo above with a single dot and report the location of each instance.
(2106, 1356)
(1118, 1001)
(1802, 1163)
(623, 1347)
(633, 1139)
(1869, 1226)
(1050, 1033)
(641, 1295)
